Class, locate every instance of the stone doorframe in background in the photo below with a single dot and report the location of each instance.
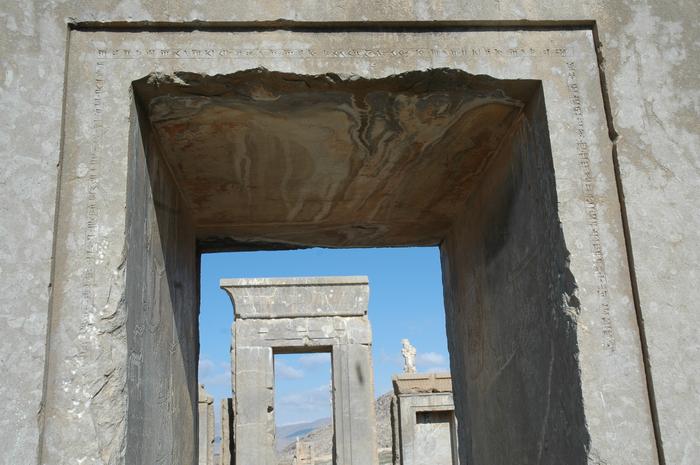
(416, 393)
(296, 315)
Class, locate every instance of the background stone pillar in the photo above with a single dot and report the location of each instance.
(206, 427)
(353, 405)
(226, 431)
(254, 421)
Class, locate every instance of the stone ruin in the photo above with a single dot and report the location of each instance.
(303, 453)
(423, 420)
(283, 315)
(550, 149)
(292, 315)
(227, 444)
(207, 433)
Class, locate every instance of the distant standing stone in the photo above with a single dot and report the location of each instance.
(409, 356)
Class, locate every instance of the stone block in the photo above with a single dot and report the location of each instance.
(347, 337)
(207, 434)
(227, 439)
(298, 297)
(425, 427)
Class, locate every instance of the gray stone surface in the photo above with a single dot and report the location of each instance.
(650, 68)
(303, 454)
(341, 139)
(206, 427)
(433, 442)
(424, 422)
(298, 297)
(227, 443)
(525, 311)
(347, 338)
(550, 64)
(161, 325)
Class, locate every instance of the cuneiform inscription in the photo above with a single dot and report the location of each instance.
(584, 162)
(306, 53)
(91, 214)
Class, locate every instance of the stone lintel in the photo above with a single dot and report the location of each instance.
(292, 282)
(290, 333)
(269, 298)
(419, 383)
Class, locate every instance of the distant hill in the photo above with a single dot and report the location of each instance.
(321, 437)
(288, 434)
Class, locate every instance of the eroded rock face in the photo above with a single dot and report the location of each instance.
(331, 161)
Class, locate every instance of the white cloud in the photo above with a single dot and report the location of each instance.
(438, 369)
(393, 359)
(303, 406)
(206, 367)
(222, 378)
(315, 360)
(212, 375)
(431, 361)
(285, 371)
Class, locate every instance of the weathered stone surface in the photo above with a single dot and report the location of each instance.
(298, 333)
(552, 67)
(424, 422)
(433, 442)
(227, 443)
(303, 454)
(339, 139)
(298, 297)
(650, 70)
(206, 427)
(348, 338)
(161, 350)
(416, 383)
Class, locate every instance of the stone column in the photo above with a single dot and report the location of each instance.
(226, 429)
(206, 427)
(254, 400)
(353, 405)
(395, 436)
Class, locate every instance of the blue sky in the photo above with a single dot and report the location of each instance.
(405, 301)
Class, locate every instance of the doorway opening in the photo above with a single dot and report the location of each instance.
(406, 301)
(260, 160)
(304, 408)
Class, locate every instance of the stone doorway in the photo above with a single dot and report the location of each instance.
(520, 196)
(302, 315)
(264, 160)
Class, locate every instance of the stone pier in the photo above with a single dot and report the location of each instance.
(227, 443)
(206, 427)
